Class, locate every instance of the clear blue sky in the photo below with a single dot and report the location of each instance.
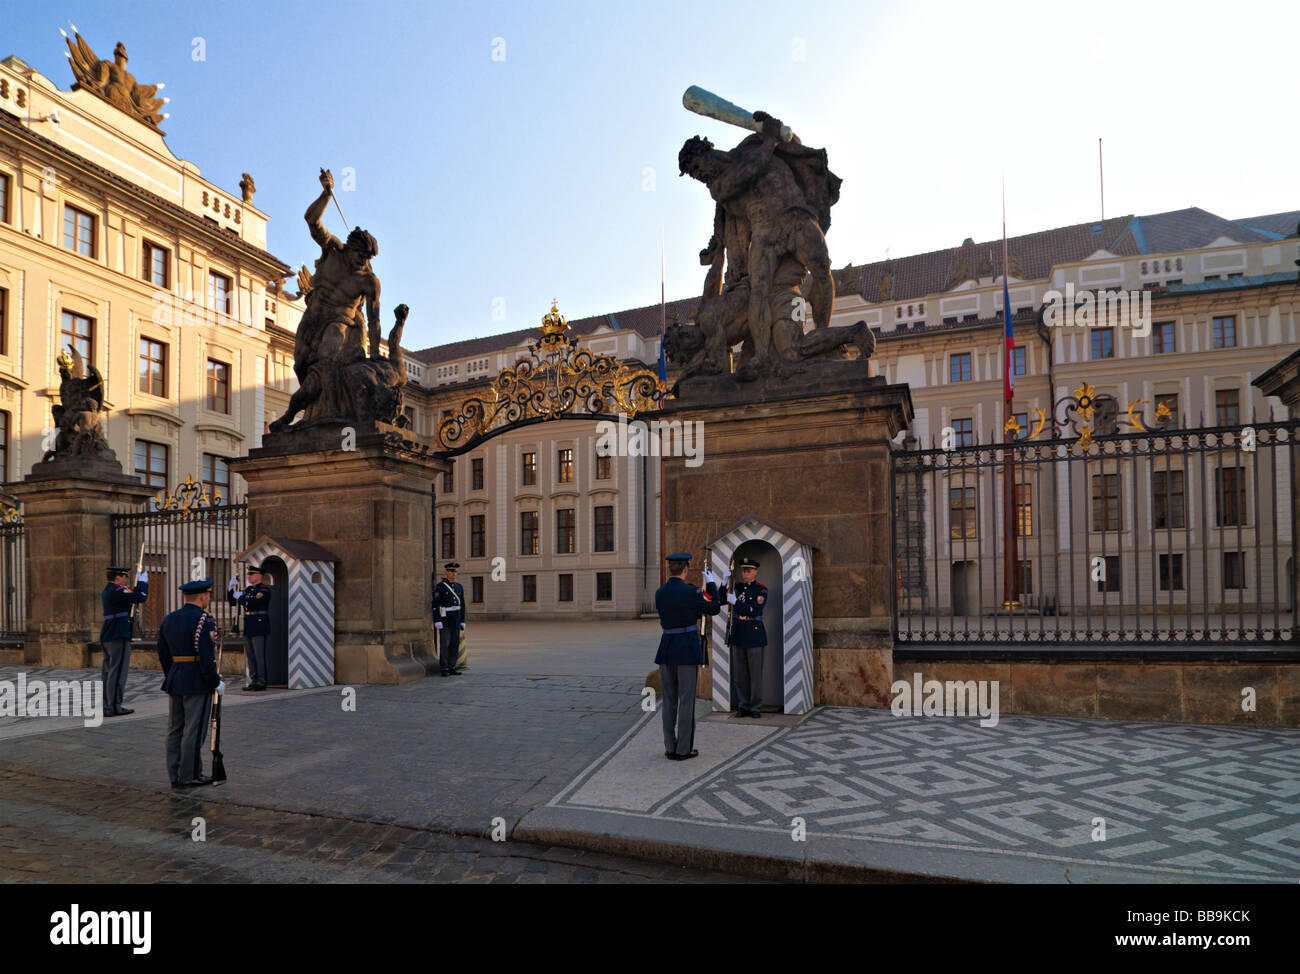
(523, 179)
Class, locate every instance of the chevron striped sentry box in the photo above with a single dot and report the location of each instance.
(796, 612)
(311, 606)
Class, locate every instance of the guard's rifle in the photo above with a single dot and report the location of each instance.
(218, 762)
(239, 612)
(139, 567)
(706, 634)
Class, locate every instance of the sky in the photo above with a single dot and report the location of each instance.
(505, 154)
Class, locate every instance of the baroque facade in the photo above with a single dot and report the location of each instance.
(113, 246)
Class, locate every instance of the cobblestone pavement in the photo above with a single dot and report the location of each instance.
(405, 787)
(64, 830)
(1178, 802)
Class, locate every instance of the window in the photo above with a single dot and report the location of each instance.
(1168, 503)
(1026, 576)
(959, 368)
(528, 467)
(78, 231)
(1223, 332)
(1230, 496)
(1110, 578)
(218, 386)
(529, 593)
(604, 586)
(1162, 338)
(151, 463)
(448, 482)
(604, 529)
(961, 506)
(4, 446)
(4, 322)
(216, 477)
(1106, 415)
(153, 368)
(477, 535)
(528, 541)
(476, 474)
(1019, 361)
(447, 537)
(412, 420)
(1103, 343)
(476, 589)
(1226, 412)
(1171, 573)
(79, 332)
(564, 466)
(1234, 569)
(219, 290)
(1025, 510)
(566, 588)
(565, 531)
(964, 432)
(4, 198)
(155, 265)
(1105, 502)
(1170, 401)
(604, 468)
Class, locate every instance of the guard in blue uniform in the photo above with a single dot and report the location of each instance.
(115, 635)
(449, 619)
(187, 652)
(256, 601)
(748, 637)
(680, 655)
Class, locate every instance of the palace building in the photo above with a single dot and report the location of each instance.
(156, 277)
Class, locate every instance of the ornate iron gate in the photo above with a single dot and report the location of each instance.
(13, 574)
(1156, 536)
(185, 535)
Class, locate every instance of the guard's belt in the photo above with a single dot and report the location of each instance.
(674, 632)
(258, 612)
(185, 659)
(117, 615)
(749, 618)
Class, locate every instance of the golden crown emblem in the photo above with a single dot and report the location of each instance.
(554, 323)
(65, 360)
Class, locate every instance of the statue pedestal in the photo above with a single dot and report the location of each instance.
(68, 519)
(371, 505)
(810, 456)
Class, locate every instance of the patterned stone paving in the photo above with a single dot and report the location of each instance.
(1214, 802)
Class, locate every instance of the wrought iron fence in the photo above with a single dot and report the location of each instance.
(13, 574)
(1156, 536)
(184, 534)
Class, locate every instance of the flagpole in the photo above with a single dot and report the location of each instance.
(1010, 584)
(663, 330)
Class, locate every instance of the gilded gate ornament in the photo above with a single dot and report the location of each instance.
(557, 380)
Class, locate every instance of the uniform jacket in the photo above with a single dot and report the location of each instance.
(118, 600)
(750, 599)
(448, 603)
(188, 632)
(256, 600)
(680, 605)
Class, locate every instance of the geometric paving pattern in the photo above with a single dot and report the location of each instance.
(1189, 800)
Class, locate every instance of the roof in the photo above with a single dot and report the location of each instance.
(10, 123)
(1031, 257)
(295, 548)
(644, 321)
(1282, 224)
